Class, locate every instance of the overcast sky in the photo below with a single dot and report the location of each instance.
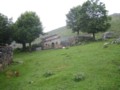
(52, 13)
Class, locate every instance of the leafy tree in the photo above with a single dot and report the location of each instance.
(94, 17)
(27, 28)
(73, 19)
(5, 30)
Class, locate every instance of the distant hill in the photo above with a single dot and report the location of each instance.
(62, 31)
(65, 32)
(115, 23)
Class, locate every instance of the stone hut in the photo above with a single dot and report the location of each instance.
(6, 56)
(51, 42)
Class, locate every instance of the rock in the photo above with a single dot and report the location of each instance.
(19, 62)
(38, 49)
(105, 45)
(108, 35)
(118, 41)
(63, 47)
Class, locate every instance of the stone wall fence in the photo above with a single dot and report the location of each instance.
(6, 56)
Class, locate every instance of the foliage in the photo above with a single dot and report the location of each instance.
(94, 17)
(48, 73)
(5, 30)
(27, 28)
(79, 77)
(73, 19)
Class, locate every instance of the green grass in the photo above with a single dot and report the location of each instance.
(100, 66)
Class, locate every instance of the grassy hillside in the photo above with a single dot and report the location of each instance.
(57, 69)
(115, 23)
(62, 31)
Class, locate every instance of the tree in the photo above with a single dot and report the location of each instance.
(27, 28)
(94, 17)
(73, 19)
(5, 30)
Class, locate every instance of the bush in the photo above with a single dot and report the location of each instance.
(79, 77)
(48, 74)
(17, 50)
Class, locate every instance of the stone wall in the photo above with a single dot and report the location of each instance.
(6, 56)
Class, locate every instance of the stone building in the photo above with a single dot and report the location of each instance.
(51, 42)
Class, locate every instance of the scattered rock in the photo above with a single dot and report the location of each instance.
(63, 47)
(38, 49)
(105, 45)
(19, 62)
(108, 35)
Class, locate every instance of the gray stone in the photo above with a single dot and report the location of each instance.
(108, 35)
(38, 49)
(6, 56)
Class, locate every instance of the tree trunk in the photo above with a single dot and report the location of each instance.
(30, 46)
(94, 36)
(23, 46)
(78, 33)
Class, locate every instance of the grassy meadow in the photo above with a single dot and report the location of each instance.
(57, 69)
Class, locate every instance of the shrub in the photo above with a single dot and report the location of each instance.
(12, 73)
(48, 74)
(79, 77)
(17, 50)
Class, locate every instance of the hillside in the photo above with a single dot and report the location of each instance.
(84, 67)
(62, 31)
(115, 23)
